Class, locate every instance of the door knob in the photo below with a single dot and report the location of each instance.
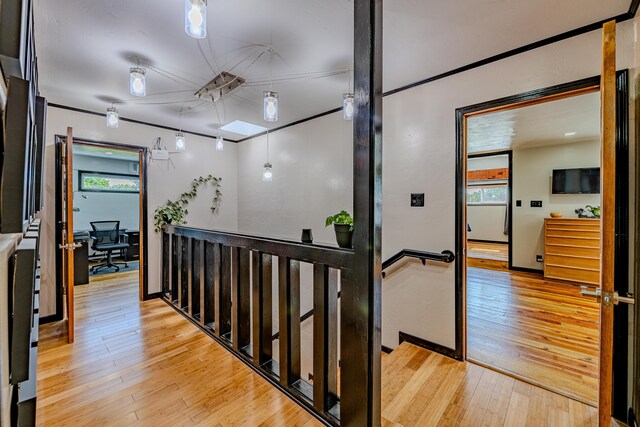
(597, 293)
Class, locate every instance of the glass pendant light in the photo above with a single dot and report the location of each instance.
(270, 106)
(112, 117)
(181, 142)
(348, 106)
(219, 143)
(195, 18)
(267, 174)
(137, 82)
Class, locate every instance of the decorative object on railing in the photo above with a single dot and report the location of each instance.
(203, 271)
(445, 256)
(176, 212)
(343, 226)
(307, 235)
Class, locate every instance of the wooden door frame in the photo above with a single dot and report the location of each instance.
(579, 87)
(143, 211)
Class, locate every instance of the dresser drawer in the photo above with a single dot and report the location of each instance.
(572, 274)
(585, 242)
(589, 252)
(573, 261)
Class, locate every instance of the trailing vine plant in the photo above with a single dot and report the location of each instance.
(175, 212)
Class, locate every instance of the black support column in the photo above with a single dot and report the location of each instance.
(361, 293)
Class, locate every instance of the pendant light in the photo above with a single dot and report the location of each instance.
(112, 117)
(137, 81)
(348, 106)
(181, 142)
(270, 106)
(219, 143)
(267, 173)
(195, 18)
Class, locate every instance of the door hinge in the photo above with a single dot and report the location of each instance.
(64, 290)
(70, 246)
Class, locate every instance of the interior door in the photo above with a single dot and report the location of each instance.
(67, 246)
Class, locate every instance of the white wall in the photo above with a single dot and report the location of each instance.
(487, 222)
(532, 171)
(101, 206)
(418, 156)
(165, 180)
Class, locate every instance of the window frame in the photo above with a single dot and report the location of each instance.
(481, 187)
(81, 187)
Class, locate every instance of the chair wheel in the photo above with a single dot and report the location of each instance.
(117, 269)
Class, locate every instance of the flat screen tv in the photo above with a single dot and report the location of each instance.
(576, 181)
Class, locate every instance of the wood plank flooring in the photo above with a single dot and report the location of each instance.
(494, 256)
(144, 364)
(542, 330)
(422, 388)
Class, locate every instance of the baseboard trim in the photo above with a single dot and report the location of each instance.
(152, 296)
(50, 319)
(488, 241)
(386, 349)
(420, 342)
(527, 270)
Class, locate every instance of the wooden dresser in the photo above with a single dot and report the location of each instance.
(572, 249)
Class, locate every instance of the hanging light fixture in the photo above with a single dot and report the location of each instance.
(348, 107)
(112, 117)
(181, 142)
(267, 173)
(137, 81)
(270, 106)
(219, 143)
(195, 18)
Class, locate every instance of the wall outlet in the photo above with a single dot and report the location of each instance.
(536, 203)
(539, 258)
(417, 200)
(518, 203)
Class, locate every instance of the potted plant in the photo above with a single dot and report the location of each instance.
(343, 226)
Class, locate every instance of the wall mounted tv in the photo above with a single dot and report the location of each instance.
(576, 181)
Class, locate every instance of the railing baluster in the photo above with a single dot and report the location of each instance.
(262, 308)
(179, 269)
(189, 266)
(223, 294)
(185, 272)
(289, 313)
(241, 288)
(166, 262)
(200, 283)
(325, 337)
(211, 282)
(196, 279)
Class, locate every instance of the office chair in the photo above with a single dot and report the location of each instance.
(105, 237)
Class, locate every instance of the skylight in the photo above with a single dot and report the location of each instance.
(243, 128)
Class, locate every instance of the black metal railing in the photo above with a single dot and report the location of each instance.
(445, 256)
(204, 271)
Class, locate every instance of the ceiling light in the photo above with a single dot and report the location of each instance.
(270, 106)
(267, 174)
(181, 142)
(137, 82)
(570, 134)
(112, 117)
(347, 106)
(219, 144)
(195, 18)
(243, 128)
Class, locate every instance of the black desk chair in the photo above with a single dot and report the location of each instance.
(106, 237)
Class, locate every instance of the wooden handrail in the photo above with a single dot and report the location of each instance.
(445, 256)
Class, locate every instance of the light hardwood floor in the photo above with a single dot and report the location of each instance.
(542, 330)
(494, 256)
(421, 388)
(142, 363)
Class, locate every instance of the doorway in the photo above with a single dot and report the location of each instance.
(109, 186)
(480, 288)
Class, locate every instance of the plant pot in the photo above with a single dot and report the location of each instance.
(344, 236)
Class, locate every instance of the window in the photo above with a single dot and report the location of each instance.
(108, 182)
(487, 195)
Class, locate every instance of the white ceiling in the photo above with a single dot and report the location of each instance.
(536, 125)
(85, 49)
